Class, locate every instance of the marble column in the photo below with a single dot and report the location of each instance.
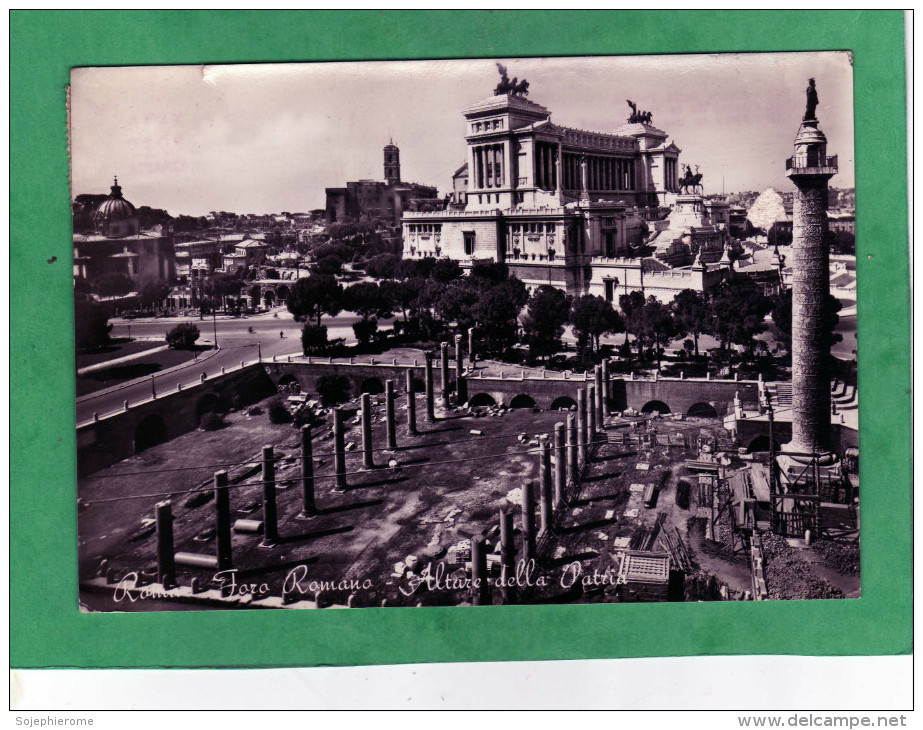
(582, 426)
(444, 371)
(307, 473)
(223, 521)
(411, 404)
(430, 394)
(368, 458)
(461, 385)
(390, 426)
(339, 449)
(560, 464)
(811, 430)
(584, 180)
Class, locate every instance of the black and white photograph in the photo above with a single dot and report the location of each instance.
(477, 332)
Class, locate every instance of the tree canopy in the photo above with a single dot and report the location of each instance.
(313, 338)
(314, 296)
(91, 323)
(738, 311)
(543, 323)
(367, 300)
(592, 317)
(496, 312)
(446, 270)
(654, 325)
(154, 292)
(382, 266)
(114, 284)
(183, 336)
(329, 265)
(402, 295)
(693, 315)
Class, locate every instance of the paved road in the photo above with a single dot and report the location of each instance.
(237, 344)
(846, 350)
(236, 341)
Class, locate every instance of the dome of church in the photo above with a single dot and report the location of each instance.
(115, 216)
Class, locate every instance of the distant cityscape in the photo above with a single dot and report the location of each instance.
(182, 251)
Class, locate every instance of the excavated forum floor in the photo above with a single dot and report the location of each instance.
(398, 532)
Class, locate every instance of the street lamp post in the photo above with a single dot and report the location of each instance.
(215, 326)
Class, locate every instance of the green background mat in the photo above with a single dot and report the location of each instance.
(46, 627)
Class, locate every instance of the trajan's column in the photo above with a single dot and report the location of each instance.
(810, 169)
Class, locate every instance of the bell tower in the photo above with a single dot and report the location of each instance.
(392, 163)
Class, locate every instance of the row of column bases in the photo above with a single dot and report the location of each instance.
(560, 467)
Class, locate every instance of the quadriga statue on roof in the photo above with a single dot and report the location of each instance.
(637, 117)
(514, 87)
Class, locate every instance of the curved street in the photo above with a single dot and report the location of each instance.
(237, 343)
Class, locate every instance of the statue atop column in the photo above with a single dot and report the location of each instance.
(811, 106)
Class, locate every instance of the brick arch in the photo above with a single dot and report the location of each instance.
(522, 401)
(209, 403)
(149, 432)
(655, 405)
(564, 401)
(479, 400)
(372, 386)
(288, 379)
(702, 410)
(760, 443)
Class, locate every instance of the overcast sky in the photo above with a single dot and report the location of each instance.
(268, 138)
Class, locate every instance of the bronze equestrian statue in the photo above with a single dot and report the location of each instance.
(691, 183)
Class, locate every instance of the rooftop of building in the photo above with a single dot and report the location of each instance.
(505, 101)
(760, 259)
(140, 236)
(843, 280)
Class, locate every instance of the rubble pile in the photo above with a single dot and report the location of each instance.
(841, 557)
(788, 576)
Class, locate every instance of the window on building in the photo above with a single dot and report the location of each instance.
(610, 290)
(469, 243)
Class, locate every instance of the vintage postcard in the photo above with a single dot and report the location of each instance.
(474, 332)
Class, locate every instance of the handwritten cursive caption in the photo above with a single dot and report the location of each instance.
(432, 577)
